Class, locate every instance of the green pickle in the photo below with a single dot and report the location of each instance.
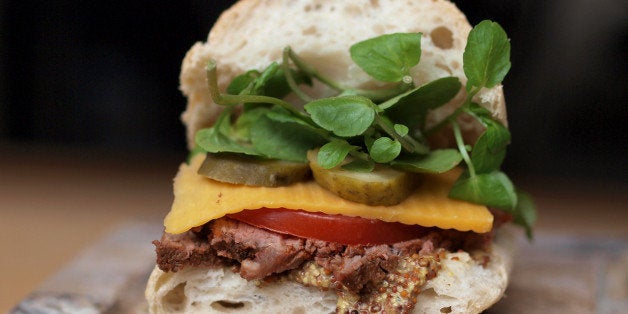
(383, 186)
(253, 171)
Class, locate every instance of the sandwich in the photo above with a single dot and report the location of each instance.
(344, 158)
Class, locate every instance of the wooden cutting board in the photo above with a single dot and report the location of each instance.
(108, 277)
(554, 274)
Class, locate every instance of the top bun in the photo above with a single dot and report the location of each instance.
(253, 33)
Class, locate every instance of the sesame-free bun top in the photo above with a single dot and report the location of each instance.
(253, 33)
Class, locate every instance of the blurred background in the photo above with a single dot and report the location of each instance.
(90, 135)
(103, 75)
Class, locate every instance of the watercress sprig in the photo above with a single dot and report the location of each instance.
(486, 63)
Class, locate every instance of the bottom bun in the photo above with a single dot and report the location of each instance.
(463, 285)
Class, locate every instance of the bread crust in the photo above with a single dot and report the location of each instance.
(253, 33)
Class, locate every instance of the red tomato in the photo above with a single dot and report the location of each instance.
(330, 228)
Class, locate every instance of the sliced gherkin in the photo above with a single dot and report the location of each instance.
(253, 171)
(382, 186)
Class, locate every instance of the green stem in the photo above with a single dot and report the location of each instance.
(474, 90)
(453, 115)
(311, 71)
(290, 78)
(444, 122)
(380, 95)
(407, 142)
(375, 95)
(359, 154)
(462, 148)
(230, 100)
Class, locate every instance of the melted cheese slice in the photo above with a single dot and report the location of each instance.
(198, 200)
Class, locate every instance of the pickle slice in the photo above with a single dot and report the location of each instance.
(383, 186)
(252, 171)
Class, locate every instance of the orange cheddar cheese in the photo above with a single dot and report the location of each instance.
(198, 200)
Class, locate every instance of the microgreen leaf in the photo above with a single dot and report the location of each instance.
(266, 75)
(408, 143)
(437, 161)
(242, 81)
(241, 128)
(218, 138)
(360, 165)
(285, 141)
(477, 111)
(277, 85)
(491, 189)
(401, 129)
(486, 59)
(344, 116)
(525, 212)
(489, 150)
(272, 82)
(333, 153)
(279, 114)
(412, 108)
(211, 140)
(388, 57)
(384, 149)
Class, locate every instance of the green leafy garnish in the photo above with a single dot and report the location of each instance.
(357, 128)
(491, 189)
(412, 108)
(486, 59)
(525, 212)
(344, 116)
(242, 126)
(284, 140)
(385, 150)
(486, 63)
(388, 58)
(333, 153)
(489, 150)
(437, 161)
(218, 138)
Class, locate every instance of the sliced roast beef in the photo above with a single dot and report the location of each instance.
(260, 253)
(175, 251)
(356, 270)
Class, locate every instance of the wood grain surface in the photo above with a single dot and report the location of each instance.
(108, 277)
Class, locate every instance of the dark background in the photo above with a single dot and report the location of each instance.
(103, 76)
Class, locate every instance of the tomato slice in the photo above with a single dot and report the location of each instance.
(330, 228)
